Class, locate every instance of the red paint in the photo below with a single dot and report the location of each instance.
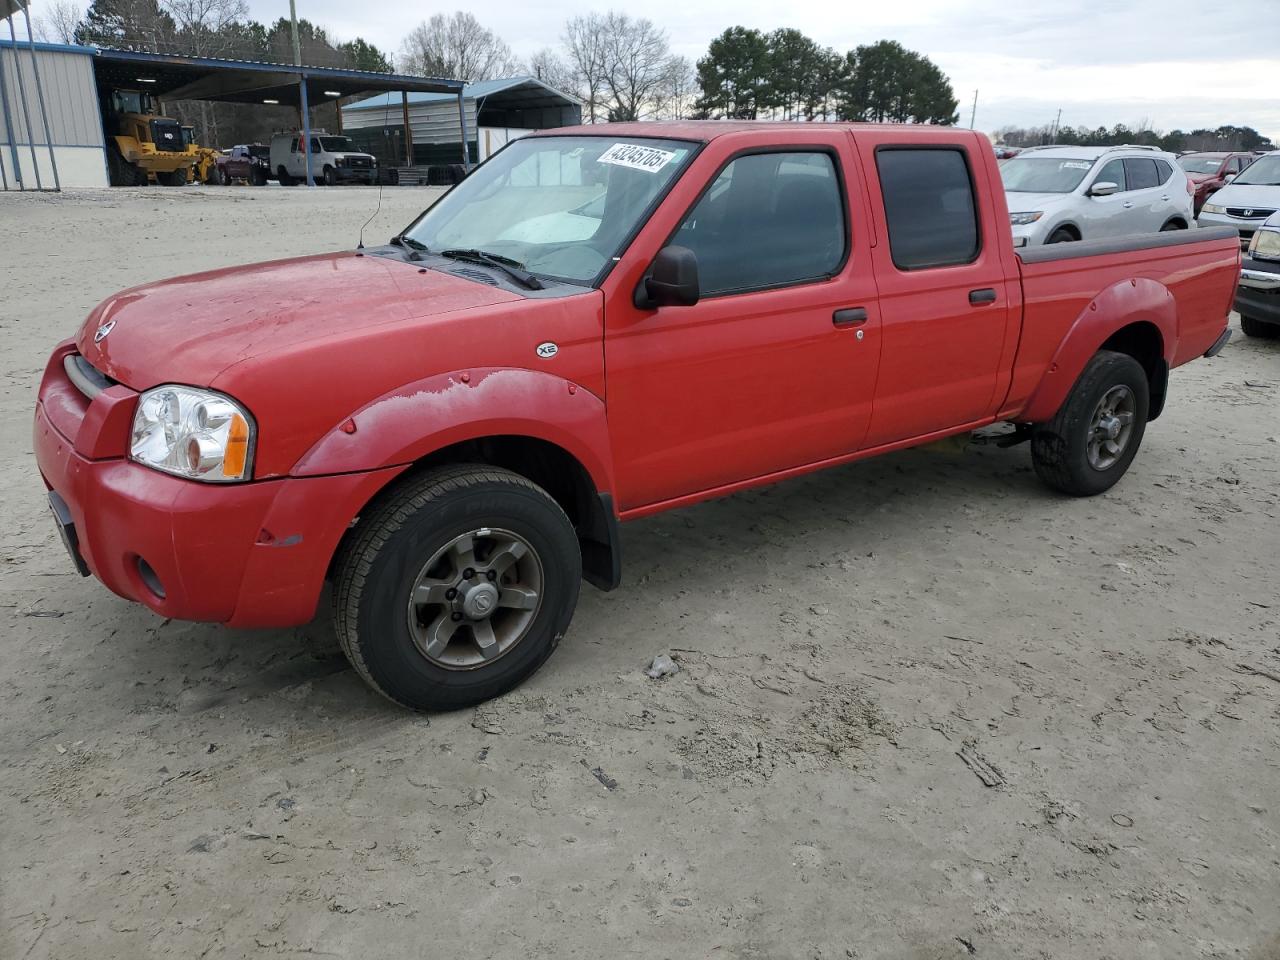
(356, 367)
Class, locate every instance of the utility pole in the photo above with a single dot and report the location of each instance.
(293, 26)
(974, 112)
(1056, 122)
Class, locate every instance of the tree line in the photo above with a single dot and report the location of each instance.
(1224, 138)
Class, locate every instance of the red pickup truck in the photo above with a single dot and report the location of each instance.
(598, 324)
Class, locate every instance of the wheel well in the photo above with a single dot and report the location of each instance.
(1071, 228)
(559, 473)
(1143, 342)
(1180, 223)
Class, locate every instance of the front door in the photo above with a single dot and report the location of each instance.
(947, 326)
(1112, 215)
(774, 367)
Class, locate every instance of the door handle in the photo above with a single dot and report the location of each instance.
(979, 297)
(1164, 196)
(1127, 204)
(849, 317)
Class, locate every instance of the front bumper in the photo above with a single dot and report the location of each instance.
(359, 175)
(1258, 294)
(248, 555)
(1246, 228)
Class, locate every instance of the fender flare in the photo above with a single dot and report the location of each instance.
(1123, 304)
(439, 411)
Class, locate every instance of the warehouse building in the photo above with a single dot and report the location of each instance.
(495, 112)
(52, 132)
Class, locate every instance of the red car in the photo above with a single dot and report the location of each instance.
(1210, 172)
(600, 323)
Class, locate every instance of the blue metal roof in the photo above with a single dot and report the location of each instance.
(472, 91)
(53, 47)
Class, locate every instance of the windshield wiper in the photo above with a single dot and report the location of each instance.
(413, 248)
(512, 268)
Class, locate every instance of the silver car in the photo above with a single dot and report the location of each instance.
(1258, 296)
(1084, 193)
(1248, 200)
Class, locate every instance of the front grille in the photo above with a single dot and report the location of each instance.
(84, 376)
(478, 275)
(1250, 213)
(359, 163)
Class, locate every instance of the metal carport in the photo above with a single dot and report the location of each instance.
(173, 77)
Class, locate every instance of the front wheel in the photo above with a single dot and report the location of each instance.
(1093, 438)
(1253, 327)
(330, 177)
(457, 587)
(1061, 235)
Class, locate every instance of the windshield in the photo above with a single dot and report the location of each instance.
(335, 144)
(1043, 174)
(1263, 171)
(1200, 164)
(561, 206)
(259, 150)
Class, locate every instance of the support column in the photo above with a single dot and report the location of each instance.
(337, 105)
(8, 123)
(44, 114)
(462, 123)
(26, 111)
(408, 132)
(306, 128)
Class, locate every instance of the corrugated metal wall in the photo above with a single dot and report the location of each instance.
(70, 98)
(433, 122)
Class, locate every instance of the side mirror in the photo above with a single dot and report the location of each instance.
(672, 280)
(1104, 188)
(1228, 178)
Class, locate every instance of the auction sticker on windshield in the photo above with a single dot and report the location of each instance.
(1075, 165)
(637, 157)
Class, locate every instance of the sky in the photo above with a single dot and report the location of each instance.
(1174, 63)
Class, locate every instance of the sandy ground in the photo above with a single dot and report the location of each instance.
(925, 709)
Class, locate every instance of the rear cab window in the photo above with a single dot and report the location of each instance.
(929, 206)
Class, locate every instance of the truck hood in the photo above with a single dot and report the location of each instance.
(1248, 195)
(190, 329)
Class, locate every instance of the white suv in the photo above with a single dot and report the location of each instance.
(334, 160)
(1083, 193)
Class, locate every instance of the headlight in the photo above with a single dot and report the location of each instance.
(1022, 219)
(1265, 245)
(1212, 208)
(197, 434)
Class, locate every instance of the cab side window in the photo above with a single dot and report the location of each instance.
(1140, 173)
(929, 207)
(315, 146)
(768, 220)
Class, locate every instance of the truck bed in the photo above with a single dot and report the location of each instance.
(1182, 282)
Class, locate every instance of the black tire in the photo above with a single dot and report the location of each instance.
(175, 178)
(257, 177)
(1060, 448)
(1062, 235)
(377, 570)
(1173, 225)
(285, 179)
(330, 176)
(1253, 327)
(219, 178)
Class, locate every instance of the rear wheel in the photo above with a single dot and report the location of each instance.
(1093, 438)
(1253, 327)
(173, 178)
(285, 179)
(257, 176)
(457, 587)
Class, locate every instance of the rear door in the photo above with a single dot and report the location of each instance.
(1148, 200)
(945, 304)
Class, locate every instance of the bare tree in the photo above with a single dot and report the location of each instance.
(59, 24)
(548, 67)
(636, 63)
(585, 43)
(678, 92)
(456, 46)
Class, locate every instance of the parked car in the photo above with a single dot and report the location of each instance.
(334, 160)
(1258, 296)
(1248, 200)
(450, 427)
(1005, 152)
(1058, 194)
(250, 162)
(1209, 172)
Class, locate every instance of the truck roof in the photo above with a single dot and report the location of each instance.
(707, 130)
